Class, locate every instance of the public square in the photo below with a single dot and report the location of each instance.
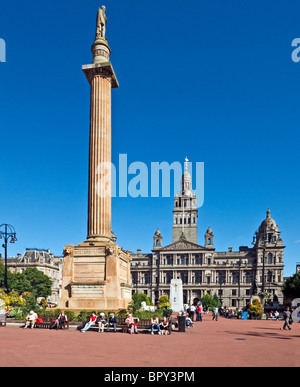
(146, 170)
(222, 343)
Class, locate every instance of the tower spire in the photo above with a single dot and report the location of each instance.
(185, 211)
(186, 163)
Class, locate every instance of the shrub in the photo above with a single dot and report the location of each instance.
(256, 307)
(163, 302)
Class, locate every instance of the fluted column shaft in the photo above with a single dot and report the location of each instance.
(99, 197)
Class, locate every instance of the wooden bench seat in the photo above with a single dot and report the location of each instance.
(48, 321)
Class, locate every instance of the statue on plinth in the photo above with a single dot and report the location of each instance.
(101, 23)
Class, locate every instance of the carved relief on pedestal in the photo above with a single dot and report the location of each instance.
(110, 250)
(68, 251)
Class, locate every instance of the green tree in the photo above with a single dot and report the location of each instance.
(31, 280)
(291, 287)
(21, 284)
(210, 301)
(34, 281)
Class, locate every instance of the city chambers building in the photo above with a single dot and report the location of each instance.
(234, 276)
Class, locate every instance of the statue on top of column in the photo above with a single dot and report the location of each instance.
(101, 23)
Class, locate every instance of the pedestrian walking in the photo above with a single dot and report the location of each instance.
(215, 313)
(287, 319)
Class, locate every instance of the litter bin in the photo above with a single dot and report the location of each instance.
(181, 323)
(244, 315)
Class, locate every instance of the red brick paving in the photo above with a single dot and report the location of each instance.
(223, 343)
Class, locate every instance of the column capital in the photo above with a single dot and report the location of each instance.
(105, 70)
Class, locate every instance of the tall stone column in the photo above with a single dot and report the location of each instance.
(102, 79)
(96, 273)
(99, 197)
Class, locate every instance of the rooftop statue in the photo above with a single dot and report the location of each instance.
(101, 23)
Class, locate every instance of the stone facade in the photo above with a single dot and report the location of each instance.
(235, 276)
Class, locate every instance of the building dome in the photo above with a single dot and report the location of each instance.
(268, 222)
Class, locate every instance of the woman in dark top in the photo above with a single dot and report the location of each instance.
(61, 319)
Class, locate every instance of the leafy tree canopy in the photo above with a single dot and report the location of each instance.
(31, 280)
(291, 287)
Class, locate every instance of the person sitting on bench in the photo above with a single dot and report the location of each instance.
(92, 321)
(112, 322)
(61, 319)
(164, 326)
(131, 324)
(31, 319)
(154, 324)
(102, 322)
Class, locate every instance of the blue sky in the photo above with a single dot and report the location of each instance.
(213, 81)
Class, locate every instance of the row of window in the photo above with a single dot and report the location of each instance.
(187, 203)
(187, 220)
(198, 260)
(197, 278)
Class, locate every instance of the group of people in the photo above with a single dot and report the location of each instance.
(102, 321)
(192, 311)
(130, 321)
(162, 327)
(32, 318)
(274, 316)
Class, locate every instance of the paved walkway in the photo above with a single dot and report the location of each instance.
(223, 343)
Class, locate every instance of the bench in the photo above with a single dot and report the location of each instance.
(121, 324)
(47, 321)
(143, 325)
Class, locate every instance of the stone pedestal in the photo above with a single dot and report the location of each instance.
(95, 277)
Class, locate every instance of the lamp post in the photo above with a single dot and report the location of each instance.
(8, 233)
